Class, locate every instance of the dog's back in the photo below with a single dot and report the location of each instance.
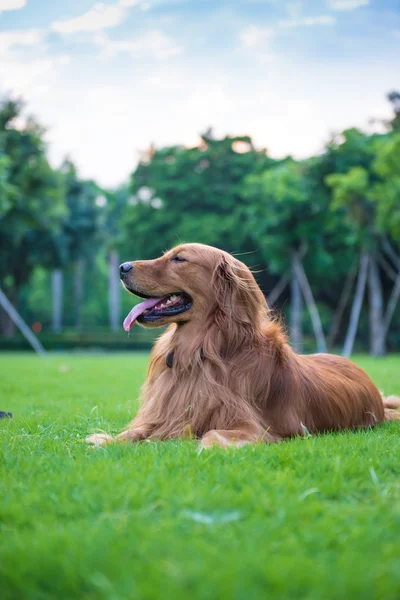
(338, 393)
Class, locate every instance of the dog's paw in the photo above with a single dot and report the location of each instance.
(213, 438)
(131, 435)
(99, 439)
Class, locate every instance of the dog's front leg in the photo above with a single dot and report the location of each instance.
(133, 435)
(99, 439)
(247, 434)
(130, 435)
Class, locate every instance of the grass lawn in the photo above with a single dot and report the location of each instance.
(309, 518)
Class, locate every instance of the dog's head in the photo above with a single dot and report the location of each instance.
(189, 283)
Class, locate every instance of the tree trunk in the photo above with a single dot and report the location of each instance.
(391, 305)
(7, 325)
(356, 308)
(391, 273)
(343, 301)
(390, 252)
(311, 306)
(278, 289)
(395, 294)
(78, 291)
(22, 326)
(114, 289)
(296, 312)
(376, 324)
(57, 295)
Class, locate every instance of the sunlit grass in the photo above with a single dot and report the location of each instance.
(311, 518)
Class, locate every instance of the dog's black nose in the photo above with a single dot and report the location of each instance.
(124, 269)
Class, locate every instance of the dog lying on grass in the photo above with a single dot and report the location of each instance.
(224, 371)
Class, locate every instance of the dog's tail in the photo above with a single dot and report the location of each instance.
(391, 405)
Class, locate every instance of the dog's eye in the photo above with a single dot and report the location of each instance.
(178, 259)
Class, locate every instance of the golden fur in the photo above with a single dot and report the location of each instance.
(234, 378)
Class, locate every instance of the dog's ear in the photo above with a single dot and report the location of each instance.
(236, 291)
(228, 277)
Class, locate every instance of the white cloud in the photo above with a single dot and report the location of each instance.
(12, 39)
(295, 19)
(153, 43)
(292, 111)
(23, 74)
(257, 39)
(29, 78)
(294, 9)
(161, 78)
(11, 5)
(153, 81)
(307, 21)
(347, 4)
(98, 17)
(254, 36)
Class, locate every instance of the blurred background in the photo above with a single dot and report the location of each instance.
(270, 129)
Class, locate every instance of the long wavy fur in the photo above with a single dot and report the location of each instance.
(235, 379)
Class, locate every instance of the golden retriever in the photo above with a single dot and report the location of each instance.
(223, 372)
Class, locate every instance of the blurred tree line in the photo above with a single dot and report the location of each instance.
(322, 234)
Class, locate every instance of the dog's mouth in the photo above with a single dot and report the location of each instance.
(154, 309)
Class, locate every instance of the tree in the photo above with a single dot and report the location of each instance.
(394, 99)
(386, 193)
(365, 198)
(115, 204)
(31, 209)
(352, 189)
(81, 230)
(286, 219)
(191, 194)
(5, 189)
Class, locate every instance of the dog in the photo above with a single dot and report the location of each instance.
(223, 372)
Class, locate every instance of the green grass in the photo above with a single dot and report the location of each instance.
(309, 518)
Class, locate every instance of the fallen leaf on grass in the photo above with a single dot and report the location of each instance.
(210, 518)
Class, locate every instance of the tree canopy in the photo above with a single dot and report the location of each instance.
(314, 217)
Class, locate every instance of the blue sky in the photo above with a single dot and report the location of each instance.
(109, 78)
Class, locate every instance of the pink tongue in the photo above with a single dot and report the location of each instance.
(139, 310)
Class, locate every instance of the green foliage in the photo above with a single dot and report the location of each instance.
(5, 190)
(352, 155)
(222, 192)
(303, 519)
(81, 226)
(386, 192)
(31, 208)
(285, 213)
(182, 194)
(369, 192)
(112, 218)
(394, 99)
(352, 192)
